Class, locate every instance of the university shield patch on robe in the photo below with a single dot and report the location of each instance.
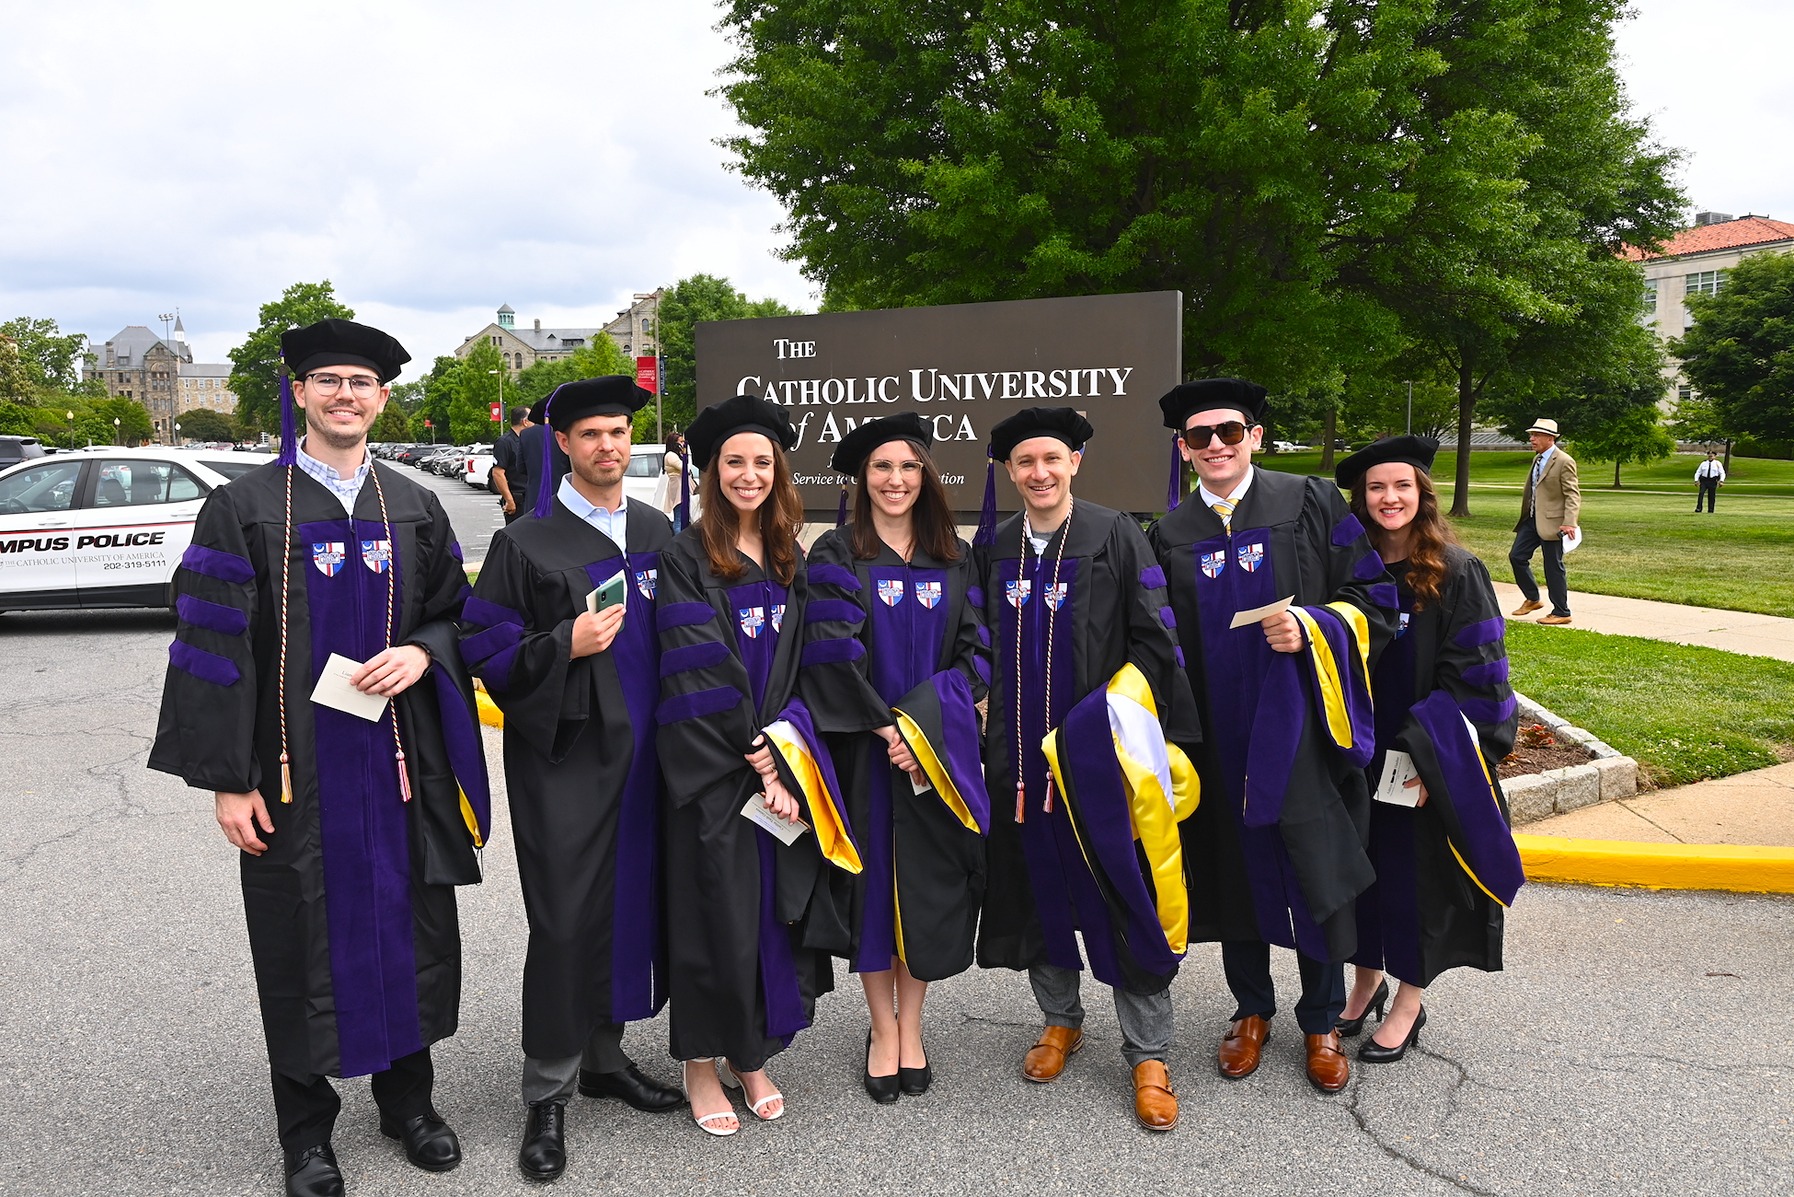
(328, 556)
(778, 617)
(645, 580)
(1213, 563)
(1055, 594)
(1017, 592)
(1252, 556)
(890, 591)
(377, 555)
(752, 619)
(928, 594)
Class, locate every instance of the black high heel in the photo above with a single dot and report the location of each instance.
(915, 1081)
(1372, 1052)
(1349, 1027)
(881, 1089)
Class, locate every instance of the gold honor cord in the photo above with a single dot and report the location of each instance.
(1021, 787)
(286, 573)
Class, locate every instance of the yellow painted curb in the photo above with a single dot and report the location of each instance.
(490, 715)
(1732, 867)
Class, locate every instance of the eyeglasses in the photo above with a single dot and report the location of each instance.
(1197, 435)
(362, 385)
(884, 469)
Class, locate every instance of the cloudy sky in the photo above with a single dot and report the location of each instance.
(435, 158)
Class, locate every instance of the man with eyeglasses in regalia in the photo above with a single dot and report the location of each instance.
(356, 808)
(1281, 607)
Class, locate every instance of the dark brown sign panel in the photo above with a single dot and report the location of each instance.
(966, 367)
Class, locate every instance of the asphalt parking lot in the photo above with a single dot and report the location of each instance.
(1637, 1043)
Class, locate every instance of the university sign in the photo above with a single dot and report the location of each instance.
(965, 367)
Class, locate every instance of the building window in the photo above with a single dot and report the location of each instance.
(1705, 282)
(1648, 301)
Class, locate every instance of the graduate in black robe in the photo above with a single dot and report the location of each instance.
(1277, 847)
(1446, 868)
(1071, 595)
(750, 921)
(354, 832)
(894, 666)
(578, 690)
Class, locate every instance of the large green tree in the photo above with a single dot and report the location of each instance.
(51, 358)
(203, 425)
(685, 304)
(1740, 353)
(256, 365)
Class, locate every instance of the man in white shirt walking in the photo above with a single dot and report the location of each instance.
(1709, 476)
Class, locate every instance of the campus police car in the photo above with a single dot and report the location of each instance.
(104, 527)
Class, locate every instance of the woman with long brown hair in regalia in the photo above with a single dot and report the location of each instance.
(893, 667)
(744, 971)
(1445, 860)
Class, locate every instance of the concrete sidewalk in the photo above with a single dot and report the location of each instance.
(1733, 631)
(1746, 808)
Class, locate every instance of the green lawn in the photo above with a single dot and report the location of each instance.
(1644, 541)
(1683, 713)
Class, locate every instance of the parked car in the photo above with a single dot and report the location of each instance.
(104, 528)
(1285, 447)
(14, 449)
(479, 470)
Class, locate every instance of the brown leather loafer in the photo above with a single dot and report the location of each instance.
(1240, 1048)
(1046, 1059)
(1528, 607)
(1556, 621)
(1155, 1101)
(1328, 1068)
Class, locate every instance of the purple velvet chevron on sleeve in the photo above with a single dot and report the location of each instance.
(214, 617)
(828, 574)
(683, 615)
(706, 654)
(822, 610)
(1152, 577)
(835, 648)
(697, 704)
(215, 563)
(1478, 634)
(207, 667)
(1346, 531)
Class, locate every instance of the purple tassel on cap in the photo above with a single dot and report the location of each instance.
(289, 438)
(683, 514)
(987, 517)
(545, 485)
(1175, 491)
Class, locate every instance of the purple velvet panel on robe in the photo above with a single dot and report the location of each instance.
(1065, 895)
(1346, 531)
(758, 609)
(1479, 634)
(1482, 837)
(1087, 755)
(1389, 931)
(215, 563)
(207, 667)
(215, 617)
(964, 755)
(466, 752)
(1239, 663)
(636, 981)
(361, 811)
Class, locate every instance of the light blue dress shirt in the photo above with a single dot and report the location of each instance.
(348, 488)
(614, 524)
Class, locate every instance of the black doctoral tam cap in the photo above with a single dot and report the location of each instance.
(336, 342)
(743, 413)
(1417, 451)
(858, 445)
(606, 395)
(1247, 398)
(1062, 422)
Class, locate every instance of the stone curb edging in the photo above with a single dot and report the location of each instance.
(1534, 796)
(1593, 862)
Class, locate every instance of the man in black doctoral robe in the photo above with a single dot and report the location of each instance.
(1276, 850)
(354, 827)
(578, 689)
(1071, 596)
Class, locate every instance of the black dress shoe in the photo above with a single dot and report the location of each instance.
(429, 1143)
(1348, 1027)
(1373, 1052)
(631, 1085)
(312, 1172)
(881, 1089)
(915, 1081)
(543, 1155)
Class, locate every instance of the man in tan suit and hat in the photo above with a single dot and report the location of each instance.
(1549, 513)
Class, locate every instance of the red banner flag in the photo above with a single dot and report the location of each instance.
(647, 374)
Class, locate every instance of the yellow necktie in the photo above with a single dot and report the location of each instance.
(1224, 509)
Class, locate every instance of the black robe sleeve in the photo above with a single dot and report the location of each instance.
(1472, 663)
(526, 663)
(206, 732)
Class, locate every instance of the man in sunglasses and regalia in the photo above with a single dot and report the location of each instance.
(1281, 606)
(314, 685)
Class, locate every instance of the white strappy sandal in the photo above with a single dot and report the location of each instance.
(710, 1124)
(732, 1079)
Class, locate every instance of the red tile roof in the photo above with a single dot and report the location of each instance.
(1730, 234)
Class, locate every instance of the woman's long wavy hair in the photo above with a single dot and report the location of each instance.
(931, 519)
(1426, 553)
(781, 518)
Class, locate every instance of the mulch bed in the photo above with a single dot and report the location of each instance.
(1542, 754)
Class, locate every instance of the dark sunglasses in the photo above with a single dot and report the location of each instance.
(1231, 433)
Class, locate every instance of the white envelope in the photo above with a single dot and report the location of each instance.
(1260, 614)
(786, 833)
(333, 690)
(1393, 787)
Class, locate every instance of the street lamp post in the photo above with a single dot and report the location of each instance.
(118, 438)
(501, 396)
(71, 416)
(177, 433)
(1410, 387)
(660, 377)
